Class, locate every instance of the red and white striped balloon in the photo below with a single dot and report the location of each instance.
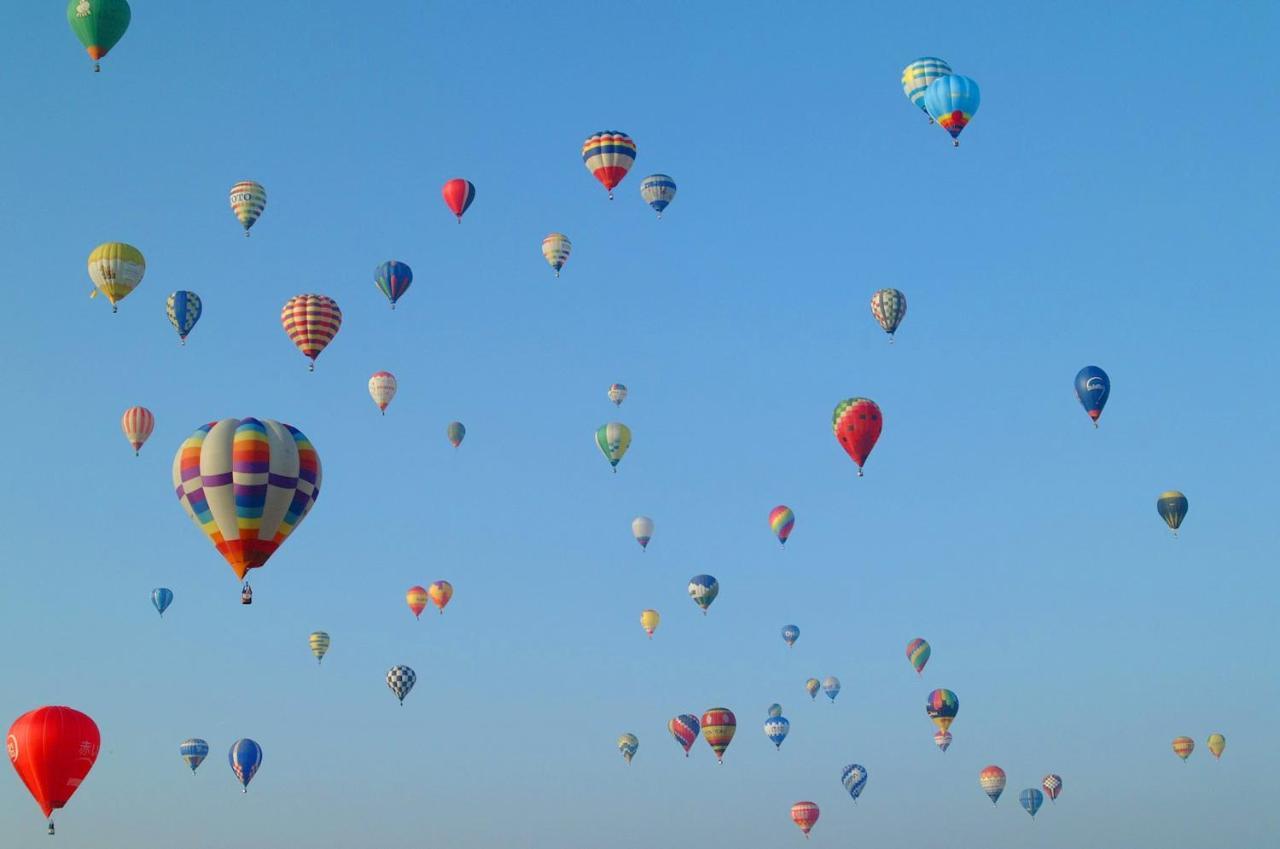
(804, 814)
(137, 424)
(311, 322)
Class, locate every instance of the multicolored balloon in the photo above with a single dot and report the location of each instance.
(99, 25)
(684, 728)
(992, 779)
(889, 306)
(942, 707)
(854, 778)
(613, 440)
(1093, 387)
(1052, 785)
(116, 269)
(1031, 800)
(184, 310)
(617, 394)
(790, 633)
(703, 589)
(609, 155)
(161, 598)
(393, 279)
(440, 592)
(245, 757)
(857, 423)
(776, 729)
(248, 484)
(917, 77)
(627, 745)
(1217, 743)
(455, 432)
(942, 739)
(1172, 507)
(775, 709)
(401, 680)
(804, 814)
(248, 199)
(831, 687)
(416, 597)
(319, 642)
(458, 195)
(137, 424)
(642, 530)
(781, 522)
(382, 388)
(311, 321)
(649, 620)
(658, 190)
(918, 652)
(556, 248)
(718, 727)
(952, 101)
(193, 751)
(1183, 747)
(812, 686)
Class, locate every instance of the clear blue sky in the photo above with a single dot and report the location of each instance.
(1112, 203)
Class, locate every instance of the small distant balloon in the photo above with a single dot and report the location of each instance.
(775, 709)
(854, 778)
(781, 522)
(245, 757)
(613, 440)
(703, 589)
(942, 739)
(161, 598)
(1172, 507)
(1183, 747)
(458, 195)
(455, 432)
(1217, 743)
(1093, 387)
(393, 279)
(804, 815)
(918, 652)
(642, 530)
(440, 593)
(992, 779)
(776, 729)
(812, 686)
(1052, 785)
(889, 307)
(248, 199)
(684, 728)
(556, 248)
(627, 745)
(831, 687)
(193, 751)
(1031, 799)
(718, 727)
(319, 642)
(416, 597)
(137, 424)
(658, 190)
(183, 310)
(790, 633)
(400, 679)
(617, 394)
(382, 388)
(649, 620)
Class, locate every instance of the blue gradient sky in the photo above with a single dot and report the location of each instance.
(1112, 203)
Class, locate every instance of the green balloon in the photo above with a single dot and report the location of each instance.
(99, 24)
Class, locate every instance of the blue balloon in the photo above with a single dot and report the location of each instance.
(776, 729)
(1092, 388)
(790, 633)
(854, 778)
(184, 310)
(245, 758)
(393, 279)
(162, 597)
(193, 751)
(1031, 800)
(952, 102)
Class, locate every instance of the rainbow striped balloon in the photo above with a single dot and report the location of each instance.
(782, 520)
(137, 424)
(248, 199)
(556, 248)
(609, 155)
(311, 322)
(918, 652)
(917, 77)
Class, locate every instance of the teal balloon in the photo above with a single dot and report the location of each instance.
(952, 101)
(1172, 507)
(1031, 800)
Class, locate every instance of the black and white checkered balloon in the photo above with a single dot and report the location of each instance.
(401, 680)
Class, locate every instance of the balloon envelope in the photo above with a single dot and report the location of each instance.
(458, 195)
(804, 815)
(1183, 747)
(775, 709)
(137, 424)
(952, 101)
(917, 77)
(703, 589)
(812, 686)
(319, 642)
(416, 597)
(609, 155)
(617, 394)
(854, 778)
(248, 199)
(53, 748)
(183, 310)
(99, 24)
(1031, 799)
(193, 751)
(776, 729)
(627, 745)
(918, 652)
(401, 680)
(1217, 743)
(311, 322)
(382, 388)
(658, 190)
(1052, 785)
(684, 728)
(790, 633)
(942, 707)
(718, 727)
(781, 522)
(116, 269)
(831, 686)
(393, 279)
(889, 306)
(649, 620)
(1093, 387)
(440, 593)
(455, 432)
(161, 598)
(857, 423)
(1172, 507)
(942, 739)
(992, 779)
(642, 530)
(245, 757)
(613, 440)
(556, 248)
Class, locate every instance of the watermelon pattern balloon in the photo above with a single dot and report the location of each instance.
(889, 306)
(718, 727)
(556, 248)
(116, 269)
(248, 199)
(458, 195)
(918, 652)
(658, 190)
(311, 321)
(393, 279)
(684, 728)
(609, 155)
(917, 77)
(99, 24)
(952, 101)
(781, 522)
(857, 423)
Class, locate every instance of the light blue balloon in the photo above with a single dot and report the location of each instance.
(952, 102)
(776, 729)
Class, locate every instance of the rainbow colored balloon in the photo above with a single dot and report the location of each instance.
(952, 101)
(684, 728)
(781, 521)
(942, 707)
(718, 727)
(918, 652)
(609, 155)
(393, 279)
(248, 199)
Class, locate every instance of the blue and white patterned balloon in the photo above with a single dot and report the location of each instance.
(854, 778)
(776, 728)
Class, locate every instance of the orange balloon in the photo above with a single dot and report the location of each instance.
(417, 600)
(441, 592)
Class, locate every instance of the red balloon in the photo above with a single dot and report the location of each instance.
(53, 749)
(458, 194)
(804, 814)
(857, 423)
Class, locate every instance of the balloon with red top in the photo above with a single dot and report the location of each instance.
(53, 748)
(458, 195)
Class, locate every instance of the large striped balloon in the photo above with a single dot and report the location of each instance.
(889, 306)
(556, 248)
(609, 155)
(247, 483)
(458, 195)
(952, 102)
(393, 279)
(917, 77)
(718, 727)
(248, 199)
(658, 190)
(116, 269)
(137, 424)
(311, 322)
(613, 440)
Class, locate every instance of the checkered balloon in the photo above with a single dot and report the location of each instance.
(401, 680)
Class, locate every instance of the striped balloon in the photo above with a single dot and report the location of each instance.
(918, 652)
(613, 440)
(804, 815)
(393, 280)
(781, 521)
(248, 484)
(382, 388)
(889, 306)
(942, 739)
(917, 77)
(658, 190)
(161, 598)
(458, 195)
(183, 309)
(1052, 785)
(319, 642)
(245, 757)
(684, 728)
(248, 199)
(718, 727)
(1031, 800)
(609, 155)
(1183, 747)
(556, 248)
(116, 269)
(1172, 507)
(193, 751)
(416, 597)
(455, 431)
(137, 424)
(952, 102)
(992, 781)
(311, 322)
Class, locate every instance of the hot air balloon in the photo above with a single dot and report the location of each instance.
(703, 589)
(193, 751)
(658, 190)
(952, 101)
(137, 424)
(440, 592)
(458, 195)
(781, 521)
(99, 25)
(393, 279)
(416, 598)
(942, 707)
(1092, 389)
(627, 745)
(311, 322)
(613, 440)
(245, 757)
(556, 248)
(53, 748)
(1172, 507)
(642, 530)
(401, 680)
(609, 155)
(831, 686)
(248, 484)
(775, 709)
(617, 394)
(183, 309)
(1216, 745)
(854, 778)
(718, 726)
(1031, 800)
(917, 77)
(804, 814)
(1052, 785)
(319, 642)
(790, 633)
(116, 269)
(684, 728)
(992, 779)
(649, 620)
(857, 423)
(248, 199)
(918, 652)
(942, 739)
(776, 728)
(812, 686)
(1183, 746)
(161, 598)
(455, 432)
(889, 306)
(382, 388)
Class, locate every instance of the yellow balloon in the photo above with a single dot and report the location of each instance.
(649, 620)
(1216, 744)
(319, 641)
(116, 269)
